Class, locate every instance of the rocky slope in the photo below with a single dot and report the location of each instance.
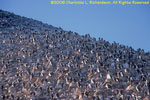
(42, 62)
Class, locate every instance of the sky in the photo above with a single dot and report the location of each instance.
(128, 25)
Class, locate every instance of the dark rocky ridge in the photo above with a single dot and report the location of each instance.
(42, 62)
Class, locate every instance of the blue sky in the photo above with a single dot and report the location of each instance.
(128, 25)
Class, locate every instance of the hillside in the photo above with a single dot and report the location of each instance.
(42, 62)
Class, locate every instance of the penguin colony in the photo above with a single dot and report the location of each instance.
(42, 62)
